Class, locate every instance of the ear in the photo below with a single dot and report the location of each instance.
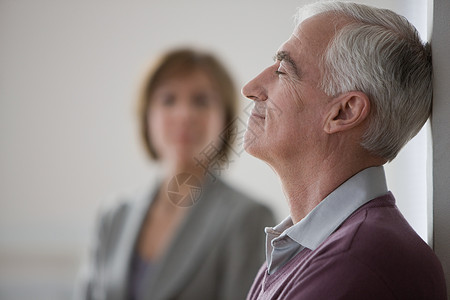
(347, 111)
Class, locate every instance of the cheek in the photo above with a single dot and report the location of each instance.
(293, 94)
(215, 124)
(286, 100)
(158, 126)
(155, 122)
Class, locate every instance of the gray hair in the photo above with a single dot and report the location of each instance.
(380, 54)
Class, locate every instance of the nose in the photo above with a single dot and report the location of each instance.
(184, 112)
(255, 89)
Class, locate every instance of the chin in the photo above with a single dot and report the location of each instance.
(253, 149)
(262, 151)
(182, 155)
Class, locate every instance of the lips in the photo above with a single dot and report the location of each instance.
(256, 115)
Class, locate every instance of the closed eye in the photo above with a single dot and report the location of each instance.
(279, 68)
(285, 62)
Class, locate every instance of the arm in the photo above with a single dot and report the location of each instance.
(89, 277)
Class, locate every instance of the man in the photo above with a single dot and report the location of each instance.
(348, 89)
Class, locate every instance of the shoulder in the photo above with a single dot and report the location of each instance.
(380, 232)
(377, 242)
(111, 217)
(116, 208)
(236, 197)
(242, 206)
(378, 228)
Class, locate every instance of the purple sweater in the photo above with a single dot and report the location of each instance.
(374, 254)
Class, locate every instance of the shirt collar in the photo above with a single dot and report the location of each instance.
(327, 216)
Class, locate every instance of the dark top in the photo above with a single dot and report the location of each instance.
(140, 272)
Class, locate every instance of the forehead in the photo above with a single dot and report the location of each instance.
(196, 78)
(311, 37)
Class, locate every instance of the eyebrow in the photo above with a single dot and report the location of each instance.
(284, 56)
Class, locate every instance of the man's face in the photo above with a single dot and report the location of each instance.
(288, 117)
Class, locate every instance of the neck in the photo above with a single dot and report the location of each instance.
(169, 171)
(173, 168)
(306, 185)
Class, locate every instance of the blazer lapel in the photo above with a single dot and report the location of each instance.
(127, 238)
(190, 244)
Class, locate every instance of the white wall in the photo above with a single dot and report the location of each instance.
(68, 79)
(441, 141)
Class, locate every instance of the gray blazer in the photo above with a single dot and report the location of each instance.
(215, 254)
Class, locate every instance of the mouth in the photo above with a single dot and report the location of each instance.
(259, 116)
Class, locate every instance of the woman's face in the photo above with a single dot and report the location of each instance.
(185, 115)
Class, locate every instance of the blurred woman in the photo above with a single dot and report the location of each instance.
(190, 236)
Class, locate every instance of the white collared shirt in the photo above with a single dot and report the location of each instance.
(286, 239)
